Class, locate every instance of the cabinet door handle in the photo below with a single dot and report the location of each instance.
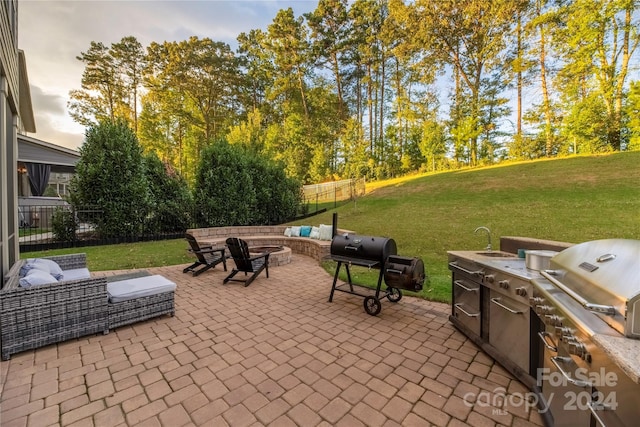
(464, 270)
(543, 336)
(459, 283)
(557, 361)
(459, 307)
(497, 302)
(603, 414)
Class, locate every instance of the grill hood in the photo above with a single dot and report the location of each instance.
(604, 277)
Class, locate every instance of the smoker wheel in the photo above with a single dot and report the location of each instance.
(394, 294)
(372, 305)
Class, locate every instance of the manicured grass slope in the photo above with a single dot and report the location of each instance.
(573, 200)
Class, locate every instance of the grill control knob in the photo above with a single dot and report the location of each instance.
(521, 291)
(553, 320)
(504, 284)
(534, 301)
(577, 348)
(544, 309)
(489, 278)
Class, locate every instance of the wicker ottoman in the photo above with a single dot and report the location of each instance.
(141, 298)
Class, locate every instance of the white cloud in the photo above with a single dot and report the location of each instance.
(53, 33)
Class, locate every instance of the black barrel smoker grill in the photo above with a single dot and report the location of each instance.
(378, 253)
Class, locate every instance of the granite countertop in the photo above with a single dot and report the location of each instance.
(625, 352)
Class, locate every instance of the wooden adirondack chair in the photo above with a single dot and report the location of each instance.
(207, 256)
(246, 263)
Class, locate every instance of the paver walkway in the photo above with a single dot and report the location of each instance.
(275, 353)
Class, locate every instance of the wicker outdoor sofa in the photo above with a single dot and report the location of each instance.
(38, 316)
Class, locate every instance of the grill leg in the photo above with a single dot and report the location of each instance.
(346, 266)
(335, 280)
(379, 283)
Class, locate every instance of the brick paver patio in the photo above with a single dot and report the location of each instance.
(275, 353)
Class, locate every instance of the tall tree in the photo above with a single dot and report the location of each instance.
(599, 39)
(287, 41)
(257, 67)
(368, 18)
(544, 22)
(110, 83)
(330, 27)
(469, 36)
(196, 84)
(129, 57)
(101, 89)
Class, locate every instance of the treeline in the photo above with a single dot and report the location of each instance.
(380, 88)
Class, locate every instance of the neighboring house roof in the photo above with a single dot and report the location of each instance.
(32, 150)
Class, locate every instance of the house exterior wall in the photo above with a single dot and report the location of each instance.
(9, 119)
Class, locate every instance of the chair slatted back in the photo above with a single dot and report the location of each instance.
(240, 254)
(195, 248)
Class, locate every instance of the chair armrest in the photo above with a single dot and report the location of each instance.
(263, 255)
(208, 251)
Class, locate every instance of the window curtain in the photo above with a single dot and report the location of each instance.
(38, 177)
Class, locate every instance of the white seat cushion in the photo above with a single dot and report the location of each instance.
(124, 290)
(76, 274)
(35, 277)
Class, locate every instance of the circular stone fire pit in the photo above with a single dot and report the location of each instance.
(279, 255)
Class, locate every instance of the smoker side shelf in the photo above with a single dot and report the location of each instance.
(356, 261)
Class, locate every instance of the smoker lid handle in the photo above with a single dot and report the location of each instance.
(598, 308)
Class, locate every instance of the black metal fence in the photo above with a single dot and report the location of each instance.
(58, 226)
(51, 227)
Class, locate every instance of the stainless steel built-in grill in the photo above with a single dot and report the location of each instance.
(588, 306)
(603, 276)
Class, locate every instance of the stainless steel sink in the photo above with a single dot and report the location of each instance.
(497, 254)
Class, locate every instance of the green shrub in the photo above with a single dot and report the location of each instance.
(63, 225)
(235, 187)
(111, 176)
(171, 200)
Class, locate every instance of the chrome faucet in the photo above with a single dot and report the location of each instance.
(489, 247)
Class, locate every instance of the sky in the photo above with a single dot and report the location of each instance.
(52, 33)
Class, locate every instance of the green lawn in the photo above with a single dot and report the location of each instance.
(574, 200)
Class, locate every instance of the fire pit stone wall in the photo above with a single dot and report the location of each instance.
(272, 235)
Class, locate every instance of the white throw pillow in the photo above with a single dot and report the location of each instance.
(315, 232)
(295, 231)
(46, 265)
(326, 232)
(35, 277)
(287, 231)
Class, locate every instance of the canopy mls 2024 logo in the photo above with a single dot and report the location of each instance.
(587, 398)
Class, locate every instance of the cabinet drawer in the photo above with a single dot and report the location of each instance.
(466, 303)
(467, 292)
